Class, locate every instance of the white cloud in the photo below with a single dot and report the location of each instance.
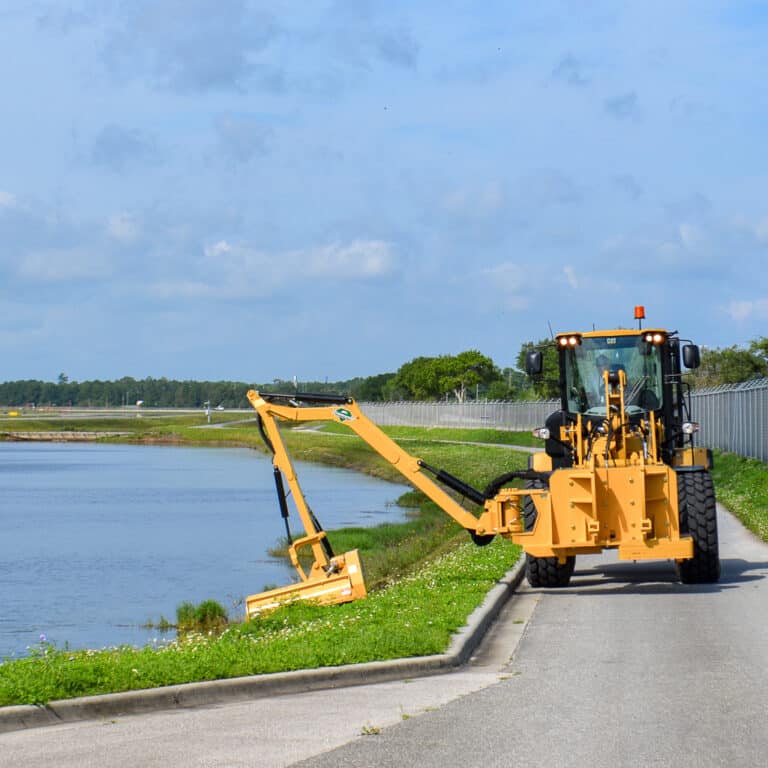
(342, 261)
(228, 270)
(220, 248)
(761, 230)
(185, 289)
(7, 200)
(360, 258)
(747, 309)
(570, 276)
(690, 235)
(202, 46)
(476, 202)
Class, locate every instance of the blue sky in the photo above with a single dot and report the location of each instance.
(255, 190)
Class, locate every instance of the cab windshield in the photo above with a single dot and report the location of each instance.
(585, 363)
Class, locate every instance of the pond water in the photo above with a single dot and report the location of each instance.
(99, 539)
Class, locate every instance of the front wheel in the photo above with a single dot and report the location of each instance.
(698, 517)
(546, 572)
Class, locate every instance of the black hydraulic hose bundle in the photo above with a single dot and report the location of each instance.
(480, 497)
(520, 474)
(281, 500)
(264, 435)
(282, 496)
(453, 482)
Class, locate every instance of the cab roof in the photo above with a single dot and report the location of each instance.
(613, 332)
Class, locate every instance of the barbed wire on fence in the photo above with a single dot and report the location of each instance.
(750, 384)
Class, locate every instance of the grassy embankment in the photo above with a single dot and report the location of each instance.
(429, 579)
(411, 615)
(742, 486)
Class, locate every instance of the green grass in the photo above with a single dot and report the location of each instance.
(391, 549)
(742, 486)
(187, 428)
(413, 616)
(491, 436)
(153, 426)
(429, 579)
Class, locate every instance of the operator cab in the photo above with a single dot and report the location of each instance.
(645, 361)
(586, 357)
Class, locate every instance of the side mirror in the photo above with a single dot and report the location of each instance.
(533, 363)
(691, 356)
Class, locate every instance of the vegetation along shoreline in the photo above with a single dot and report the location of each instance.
(426, 577)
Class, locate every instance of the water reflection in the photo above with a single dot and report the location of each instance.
(98, 539)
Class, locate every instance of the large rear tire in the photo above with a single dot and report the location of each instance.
(543, 572)
(698, 517)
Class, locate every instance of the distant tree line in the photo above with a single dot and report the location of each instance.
(127, 391)
(466, 376)
(162, 393)
(732, 365)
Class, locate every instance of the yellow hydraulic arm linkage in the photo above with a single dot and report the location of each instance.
(338, 578)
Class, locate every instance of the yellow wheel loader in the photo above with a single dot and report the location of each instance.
(619, 471)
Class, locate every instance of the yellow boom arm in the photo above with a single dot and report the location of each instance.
(616, 495)
(335, 579)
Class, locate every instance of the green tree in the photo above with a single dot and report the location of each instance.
(431, 378)
(417, 379)
(371, 388)
(464, 372)
(546, 386)
(759, 348)
(513, 385)
(732, 365)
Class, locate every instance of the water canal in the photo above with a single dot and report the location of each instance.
(99, 539)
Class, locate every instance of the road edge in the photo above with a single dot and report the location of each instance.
(208, 693)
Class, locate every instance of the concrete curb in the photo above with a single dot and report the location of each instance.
(463, 645)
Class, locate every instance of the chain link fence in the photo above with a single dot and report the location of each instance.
(483, 413)
(731, 418)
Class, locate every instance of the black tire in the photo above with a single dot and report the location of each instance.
(546, 572)
(481, 540)
(698, 517)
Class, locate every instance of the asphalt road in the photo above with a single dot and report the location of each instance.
(625, 667)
